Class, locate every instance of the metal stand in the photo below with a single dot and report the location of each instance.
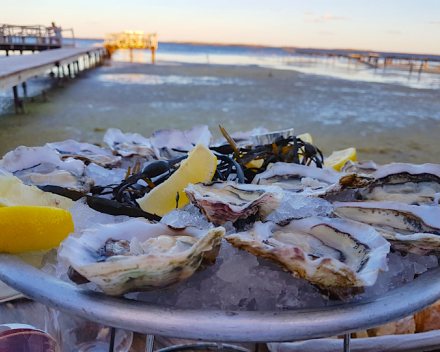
(150, 343)
(217, 325)
(347, 338)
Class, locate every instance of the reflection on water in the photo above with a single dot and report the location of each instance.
(276, 58)
(137, 78)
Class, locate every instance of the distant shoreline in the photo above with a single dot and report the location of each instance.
(285, 48)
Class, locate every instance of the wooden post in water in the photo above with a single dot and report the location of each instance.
(24, 89)
(153, 59)
(16, 99)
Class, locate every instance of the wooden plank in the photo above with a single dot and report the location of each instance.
(18, 68)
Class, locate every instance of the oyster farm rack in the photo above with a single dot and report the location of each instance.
(216, 325)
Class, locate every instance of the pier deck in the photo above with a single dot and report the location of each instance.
(17, 69)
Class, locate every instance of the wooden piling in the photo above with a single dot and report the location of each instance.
(16, 99)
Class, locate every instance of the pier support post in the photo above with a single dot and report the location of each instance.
(69, 68)
(18, 104)
(153, 59)
(24, 89)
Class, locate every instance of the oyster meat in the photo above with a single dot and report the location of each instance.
(330, 253)
(229, 201)
(409, 228)
(137, 255)
(406, 183)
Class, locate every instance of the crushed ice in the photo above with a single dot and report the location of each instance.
(297, 206)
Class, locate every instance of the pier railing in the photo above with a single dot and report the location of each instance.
(131, 40)
(36, 37)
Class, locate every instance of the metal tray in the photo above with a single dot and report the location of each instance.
(215, 325)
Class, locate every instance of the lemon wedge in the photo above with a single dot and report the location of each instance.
(13, 192)
(338, 158)
(305, 137)
(256, 163)
(29, 228)
(200, 166)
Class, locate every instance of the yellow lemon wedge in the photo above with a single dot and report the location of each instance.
(305, 137)
(13, 192)
(338, 158)
(200, 166)
(29, 228)
(256, 163)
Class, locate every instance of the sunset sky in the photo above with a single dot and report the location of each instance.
(387, 25)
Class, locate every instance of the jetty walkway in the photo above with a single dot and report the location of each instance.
(16, 69)
(372, 58)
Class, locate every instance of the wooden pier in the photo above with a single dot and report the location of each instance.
(130, 40)
(371, 58)
(16, 69)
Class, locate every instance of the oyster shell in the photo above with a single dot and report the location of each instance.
(41, 166)
(296, 177)
(410, 228)
(164, 141)
(128, 144)
(359, 167)
(330, 253)
(86, 152)
(406, 183)
(137, 255)
(23, 158)
(229, 201)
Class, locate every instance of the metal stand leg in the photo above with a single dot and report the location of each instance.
(112, 340)
(347, 342)
(150, 343)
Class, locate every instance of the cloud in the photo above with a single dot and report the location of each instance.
(327, 17)
(395, 32)
(434, 22)
(326, 33)
(308, 13)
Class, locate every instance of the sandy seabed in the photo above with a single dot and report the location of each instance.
(385, 122)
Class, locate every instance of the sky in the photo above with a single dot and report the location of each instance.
(411, 26)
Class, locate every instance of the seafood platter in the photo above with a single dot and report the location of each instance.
(256, 224)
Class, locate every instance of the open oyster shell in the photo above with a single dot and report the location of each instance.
(86, 152)
(229, 201)
(410, 228)
(330, 253)
(128, 144)
(296, 177)
(137, 255)
(406, 183)
(41, 166)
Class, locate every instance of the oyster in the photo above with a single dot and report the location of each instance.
(330, 253)
(137, 255)
(410, 228)
(23, 158)
(359, 167)
(164, 141)
(229, 201)
(128, 144)
(41, 166)
(86, 152)
(406, 183)
(297, 177)
(315, 182)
